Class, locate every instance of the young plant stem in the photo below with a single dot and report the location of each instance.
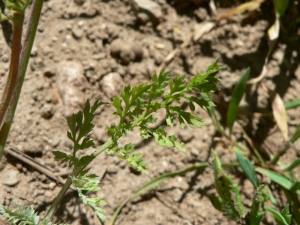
(18, 66)
(11, 79)
(279, 154)
(68, 183)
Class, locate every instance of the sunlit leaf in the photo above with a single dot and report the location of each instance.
(202, 29)
(292, 104)
(277, 178)
(293, 165)
(280, 116)
(248, 6)
(20, 216)
(277, 215)
(247, 167)
(273, 31)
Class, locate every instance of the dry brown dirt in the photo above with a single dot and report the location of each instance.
(89, 49)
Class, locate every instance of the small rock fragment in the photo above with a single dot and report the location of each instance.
(11, 177)
(34, 148)
(77, 32)
(112, 169)
(151, 8)
(186, 135)
(126, 51)
(116, 47)
(70, 84)
(127, 55)
(138, 51)
(111, 84)
(47, 111)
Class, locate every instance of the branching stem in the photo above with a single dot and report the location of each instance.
(68, 183)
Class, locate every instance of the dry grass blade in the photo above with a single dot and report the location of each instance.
(264, 71)
(273, 31)
(213, 7)
(203, 28)
(262, 74)
(249, 6)
(280, 116)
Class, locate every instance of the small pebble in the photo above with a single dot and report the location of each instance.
(186, 135)
(47, 111)
(77, 32)
(112, 169)
(11, 178)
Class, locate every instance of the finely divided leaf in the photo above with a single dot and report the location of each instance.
(164, 140)
(137, 162)
(90, 183)
(65, 158)
(137, 105)
(22, 216)
(237, 95)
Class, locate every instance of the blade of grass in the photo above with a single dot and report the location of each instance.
(212, 114)
(296, 135)
(292, 104)
(158, 180)
(277, 215)
(293, 165)
(248, 6)
(237, 95)
(271, 196)
(280, 6)
(247, 167)
(295, 205)
(277, 178)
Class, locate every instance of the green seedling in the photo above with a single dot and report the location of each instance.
(229, 195)
(283, 217)
(236, 98)
(247, 167)
(257, 213)
(135, 108)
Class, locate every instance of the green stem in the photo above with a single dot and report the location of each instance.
(68, 183)
(12, 78)
(19, 62)
(279, 154)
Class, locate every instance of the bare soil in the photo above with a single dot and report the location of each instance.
(89, 49)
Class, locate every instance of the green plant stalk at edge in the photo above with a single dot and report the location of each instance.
(68, 183)
(18, 66)
(11, 79)
(158, 180)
